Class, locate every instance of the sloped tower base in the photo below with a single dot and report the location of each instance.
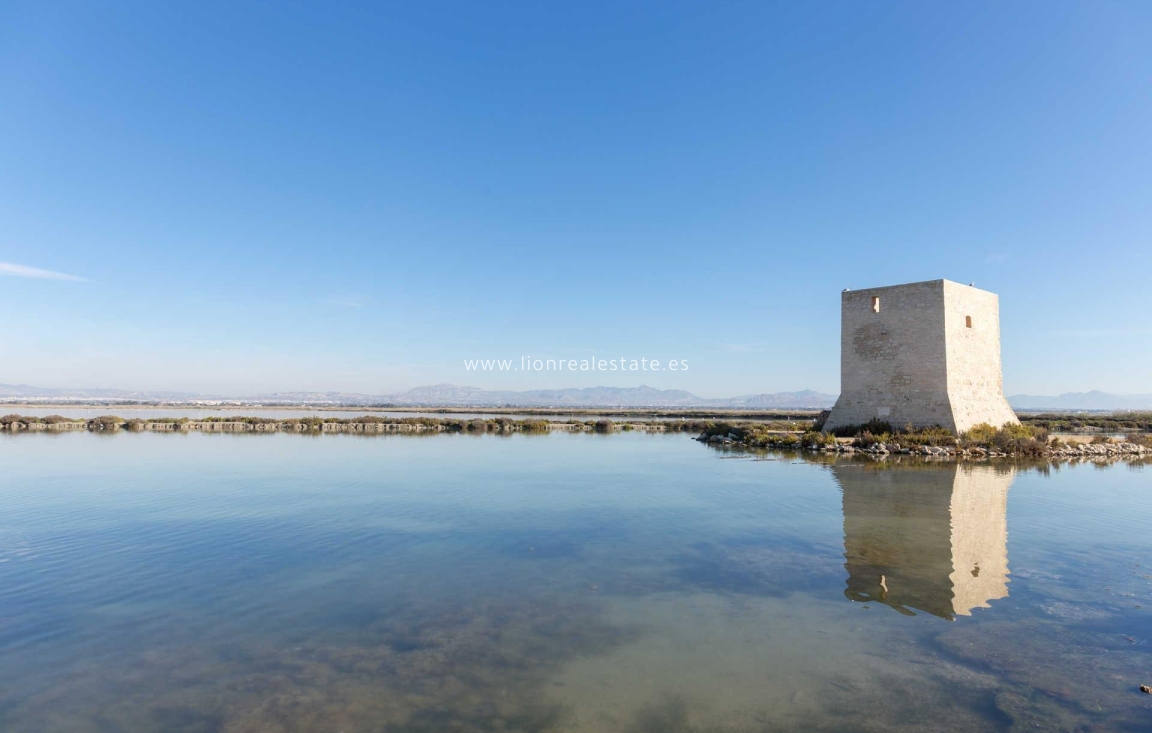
(957, 416)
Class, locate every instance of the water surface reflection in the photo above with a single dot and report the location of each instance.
(927, 537)
(559, 584)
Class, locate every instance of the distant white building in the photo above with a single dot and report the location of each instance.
(920, 354)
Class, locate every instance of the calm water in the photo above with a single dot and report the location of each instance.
(633, 583)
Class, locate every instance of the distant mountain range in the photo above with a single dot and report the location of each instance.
(642, 396)
(444, 395)
(453, 395)
(1094, 400)
(25, 392)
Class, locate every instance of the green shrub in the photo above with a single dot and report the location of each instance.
(866, 439)
(787, 441)
(817, 438)
(1021, 440)
(604, 426)
(982, 434)
(719, 428)
(1021, 431)
(934, 436)
(1022, 446)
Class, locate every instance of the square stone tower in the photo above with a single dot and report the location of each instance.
(920, 354)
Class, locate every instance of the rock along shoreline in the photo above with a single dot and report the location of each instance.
(1064, 450)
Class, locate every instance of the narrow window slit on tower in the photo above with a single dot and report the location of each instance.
(876, 304)
(968, 321)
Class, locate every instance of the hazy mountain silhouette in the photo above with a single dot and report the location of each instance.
(454, 395)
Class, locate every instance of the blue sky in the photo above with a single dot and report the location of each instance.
(282, 197)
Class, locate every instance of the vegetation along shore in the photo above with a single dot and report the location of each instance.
(1080, 437)
(982, 441)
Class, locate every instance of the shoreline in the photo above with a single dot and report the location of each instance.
(713, 434)
(1071, 448)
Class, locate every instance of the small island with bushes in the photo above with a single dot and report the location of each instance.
(1023, 440)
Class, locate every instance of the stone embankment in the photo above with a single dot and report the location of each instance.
(1074, 450)
(1060, 450)
(363, 426)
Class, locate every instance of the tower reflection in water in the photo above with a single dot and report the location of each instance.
(933, 538)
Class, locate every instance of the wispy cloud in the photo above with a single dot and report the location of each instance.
(35, 273)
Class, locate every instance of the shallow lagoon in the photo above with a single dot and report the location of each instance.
(630, 582)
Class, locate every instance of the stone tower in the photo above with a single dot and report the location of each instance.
(920, 354)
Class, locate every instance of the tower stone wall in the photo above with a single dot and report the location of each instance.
(920, 354)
